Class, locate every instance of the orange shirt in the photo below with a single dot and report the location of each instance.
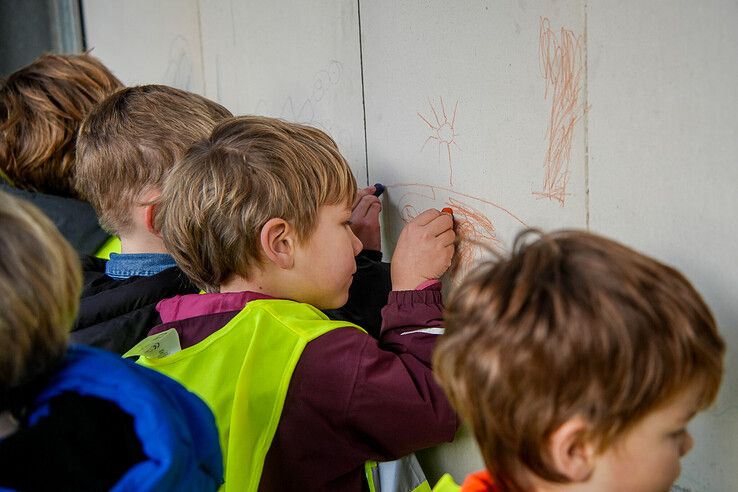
(480, 481)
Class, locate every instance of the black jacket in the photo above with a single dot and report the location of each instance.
(116, 314)
(75, 219)
(368, 293)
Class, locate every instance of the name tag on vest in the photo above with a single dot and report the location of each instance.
(157, 346)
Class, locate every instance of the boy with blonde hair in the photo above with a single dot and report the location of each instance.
(578, 364)
(63, 425)
(127, 146)
(41, 108)
(258, 215)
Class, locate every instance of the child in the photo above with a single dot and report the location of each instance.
(258, 215)
(127, 146)
(41, 108)
(63, 425)
(578, 363)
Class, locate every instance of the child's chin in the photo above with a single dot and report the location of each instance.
(336, 303)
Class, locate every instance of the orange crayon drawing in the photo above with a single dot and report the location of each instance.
(444, 132)
(475, 230)
(562, 64)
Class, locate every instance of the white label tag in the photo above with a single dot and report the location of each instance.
(157, 346)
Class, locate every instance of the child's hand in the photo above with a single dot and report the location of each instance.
(365, 219)
(424, 250)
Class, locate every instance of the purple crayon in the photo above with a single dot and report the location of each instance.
(378, 189)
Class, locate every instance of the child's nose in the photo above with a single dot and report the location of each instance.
(356, 244)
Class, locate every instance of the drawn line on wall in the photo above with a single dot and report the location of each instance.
(451, 190)
(444, 132)
(201, 61)
(561, 59)
(586, 118)
(363, 97)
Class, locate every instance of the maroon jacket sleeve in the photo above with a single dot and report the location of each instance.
(353, 398)
(396, 405)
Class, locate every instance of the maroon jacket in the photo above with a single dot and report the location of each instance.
(352, 398)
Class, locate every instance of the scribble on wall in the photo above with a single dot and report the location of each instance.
(562, 65)
(304, 114)
(305, 110)
(443, 131)
(180, 67)
(474, 228)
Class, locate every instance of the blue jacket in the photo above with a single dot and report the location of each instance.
(176, 429)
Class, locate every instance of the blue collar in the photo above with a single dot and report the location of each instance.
(123, 266)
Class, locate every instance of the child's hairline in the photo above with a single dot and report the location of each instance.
(302, 240)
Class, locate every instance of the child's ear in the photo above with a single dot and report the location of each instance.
(149, 211)
(573, 454)
(278, 242)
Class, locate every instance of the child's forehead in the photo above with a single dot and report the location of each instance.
(682, 406)
(336, 209)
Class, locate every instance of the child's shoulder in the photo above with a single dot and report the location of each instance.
(303, 320)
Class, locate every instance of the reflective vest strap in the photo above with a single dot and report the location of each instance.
(372, 475)
(402, 475)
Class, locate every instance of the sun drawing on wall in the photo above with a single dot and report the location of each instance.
(443, 131)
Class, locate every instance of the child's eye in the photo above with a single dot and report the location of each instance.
(348, 222)
(679, 434)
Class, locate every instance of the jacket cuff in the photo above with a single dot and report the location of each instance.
(414, 308)
(433, 283)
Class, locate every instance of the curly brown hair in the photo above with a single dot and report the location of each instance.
(570, 325)
(41, 108)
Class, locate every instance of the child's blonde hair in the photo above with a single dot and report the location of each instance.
(227, 187)
(131, 140)
(570, 325)
(41, 108)
(40, 285)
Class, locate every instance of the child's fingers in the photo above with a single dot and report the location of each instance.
(441, 223)
(360, 194)
(447, 238)
(362, 209)
(426, 217)
(374, 208)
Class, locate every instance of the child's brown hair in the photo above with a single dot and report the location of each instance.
(131, 140)
(40, 284)
(41, 108)
(572, 324)
(227, 187)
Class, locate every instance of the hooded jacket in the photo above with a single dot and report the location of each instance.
(165, 435)
(116, 314)
(75, 219)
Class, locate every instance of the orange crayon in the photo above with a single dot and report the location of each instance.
(447, 210)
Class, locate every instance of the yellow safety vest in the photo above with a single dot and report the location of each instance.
(111, 245)
(446, 484)
(242, 371)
